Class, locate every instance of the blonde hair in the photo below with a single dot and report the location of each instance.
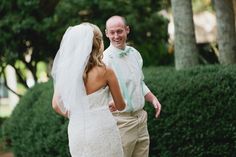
(96, 55)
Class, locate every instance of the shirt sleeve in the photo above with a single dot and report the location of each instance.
(107, 59)
(145, 89)
(140, 62)
(138, 57)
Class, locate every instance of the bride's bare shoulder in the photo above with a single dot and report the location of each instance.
(104, 71)
(99, 71)
(109, 73)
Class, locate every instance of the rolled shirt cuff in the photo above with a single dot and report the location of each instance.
(145, 89)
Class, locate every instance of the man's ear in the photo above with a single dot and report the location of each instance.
(127, 29)
(106, 32)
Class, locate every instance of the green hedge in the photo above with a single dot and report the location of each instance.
(198, 112)
(34, 129)
(2, 119)
(197, 118)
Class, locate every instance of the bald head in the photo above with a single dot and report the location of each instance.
(117, 31)
(116, 20)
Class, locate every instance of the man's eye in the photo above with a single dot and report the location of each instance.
(119, 32)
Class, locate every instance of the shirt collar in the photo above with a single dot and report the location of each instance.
(119, 52)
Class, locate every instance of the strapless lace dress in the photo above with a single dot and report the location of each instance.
(93, 132)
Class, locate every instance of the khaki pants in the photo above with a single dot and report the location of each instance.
(134, 133)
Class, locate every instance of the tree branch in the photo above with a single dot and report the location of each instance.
(6, 85)
(21, 80)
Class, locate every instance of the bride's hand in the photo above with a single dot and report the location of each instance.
(112, 106)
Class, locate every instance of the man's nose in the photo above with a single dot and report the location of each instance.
(116, 35)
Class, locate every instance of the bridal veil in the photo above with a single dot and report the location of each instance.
(69, 65)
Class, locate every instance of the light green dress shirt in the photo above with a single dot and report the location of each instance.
(127, 65)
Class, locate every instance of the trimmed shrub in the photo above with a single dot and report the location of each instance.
(34, 129)
(197, 118)
(2, 119)
(198, 112)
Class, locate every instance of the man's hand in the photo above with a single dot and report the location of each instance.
(150, 97)
(157, 106)
(112, 106)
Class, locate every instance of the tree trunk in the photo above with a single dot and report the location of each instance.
(234, 3)
(186, 53)
(226, 31)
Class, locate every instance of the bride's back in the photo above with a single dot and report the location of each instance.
(96, 79)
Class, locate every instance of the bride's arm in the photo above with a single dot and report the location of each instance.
(115, 90)
(56, 105)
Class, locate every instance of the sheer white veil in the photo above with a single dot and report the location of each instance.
(69, 65)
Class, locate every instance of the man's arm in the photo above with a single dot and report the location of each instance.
(150, 97)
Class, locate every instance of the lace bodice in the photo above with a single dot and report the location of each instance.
(88, 128)
(99, 99)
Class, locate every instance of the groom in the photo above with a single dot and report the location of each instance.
(127, 63)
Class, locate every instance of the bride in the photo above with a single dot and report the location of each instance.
(82, 85)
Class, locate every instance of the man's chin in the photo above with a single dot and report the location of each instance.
(119, 46)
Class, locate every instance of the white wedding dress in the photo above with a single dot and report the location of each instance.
(93, 132)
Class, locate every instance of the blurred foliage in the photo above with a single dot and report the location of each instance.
(31, 30)
(25, 40)
(2, 139)
(40, 131)
(197, 118)
(198, 111)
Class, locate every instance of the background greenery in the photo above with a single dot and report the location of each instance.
(198, 110)
(31, 30)
(197, 118)
(198, 105)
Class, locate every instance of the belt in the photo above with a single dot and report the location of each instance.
(133, 113)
